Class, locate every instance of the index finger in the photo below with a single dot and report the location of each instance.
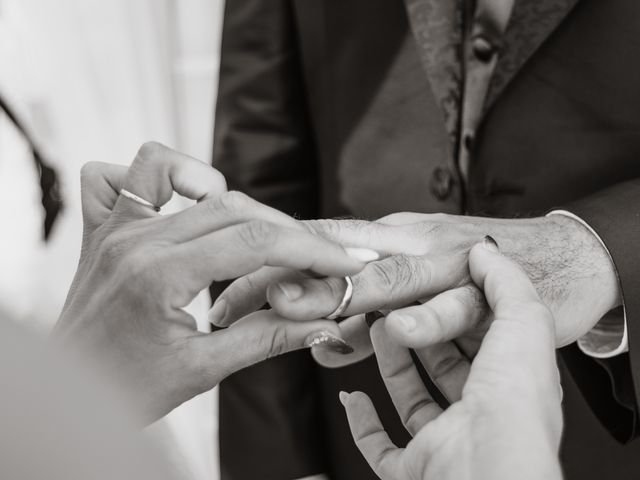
(157, 171)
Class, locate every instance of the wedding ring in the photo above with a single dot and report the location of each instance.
(346, 300)
(137, 199)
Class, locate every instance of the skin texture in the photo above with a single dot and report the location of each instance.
(138, 269)
(507, 420)
(425, 260)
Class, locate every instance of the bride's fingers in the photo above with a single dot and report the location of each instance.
(413, 402)
(250, 292)
(247, 294)
(100, 185)
(241, 249)
(355, 332)
(226, 209)
(370, 437)
(157, 171)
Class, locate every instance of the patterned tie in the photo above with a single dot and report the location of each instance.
(437, 26)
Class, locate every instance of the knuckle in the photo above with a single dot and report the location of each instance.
(398, 273)
(114, 247)
(384, 274)
(233, 202)
(140, 270)
(471, 298)
(446, 365)
(89, 170)
(335, 287)
(323, 228)
(257, 234)
(436, 321)
(278, 340)
(426, 229)
(150, 151)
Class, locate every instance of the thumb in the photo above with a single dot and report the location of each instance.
(257, 337)
(507, 288)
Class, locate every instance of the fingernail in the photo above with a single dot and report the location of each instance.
(328, 341)
(364, 255)
(343, 398)
(218, 312)
(371, 317)
(292, 291)
(491, 244)
(407, 322)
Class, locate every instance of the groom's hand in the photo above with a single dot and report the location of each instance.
(425, 261)
(138, 269)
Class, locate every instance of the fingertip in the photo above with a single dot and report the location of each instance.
(398, 326)
(363, 255)
(343, 396)
(218, 312)
(356, 397)
(282, 298)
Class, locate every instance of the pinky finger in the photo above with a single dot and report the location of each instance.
(370, 437)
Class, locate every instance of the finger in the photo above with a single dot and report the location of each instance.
(360, 233)
(386, 284)
(258, 336)
(505, 285)
(355, 332)
(157, 171)
(415, 406)
(226, 209)
(242, 249)
(247, 294)
(447, 367)
(519, 347)
(445, 317)
(100, 185)
(370, 437)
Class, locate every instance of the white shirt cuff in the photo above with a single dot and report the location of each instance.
(608, 337)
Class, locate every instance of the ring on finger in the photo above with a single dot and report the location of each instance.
(138, 200)
(346, 300)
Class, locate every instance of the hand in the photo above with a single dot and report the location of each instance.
(426, 261)
(138, 269)
(507, 422)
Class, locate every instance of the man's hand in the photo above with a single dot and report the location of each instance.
(425, 261)
(507, 421)
(138, 269)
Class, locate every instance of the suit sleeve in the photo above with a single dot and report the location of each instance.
(613, 392)
(270, 422)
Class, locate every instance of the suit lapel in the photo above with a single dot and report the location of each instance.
(531, 23)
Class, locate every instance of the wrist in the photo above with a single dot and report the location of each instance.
(570, 268)
(591, 260)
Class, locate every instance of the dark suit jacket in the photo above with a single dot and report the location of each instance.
(325, 109)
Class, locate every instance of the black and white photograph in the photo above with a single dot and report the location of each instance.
(319, 239)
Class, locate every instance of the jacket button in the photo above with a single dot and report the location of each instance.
(441, 183)
(482, 49)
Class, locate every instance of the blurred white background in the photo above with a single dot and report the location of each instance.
(93, 79)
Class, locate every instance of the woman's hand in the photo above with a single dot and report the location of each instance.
(507, 420)
(138, 269)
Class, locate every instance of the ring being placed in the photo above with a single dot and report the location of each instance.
(346, 300)
(137, 199)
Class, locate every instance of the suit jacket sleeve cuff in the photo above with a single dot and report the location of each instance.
(608, 338)
(614, 213)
